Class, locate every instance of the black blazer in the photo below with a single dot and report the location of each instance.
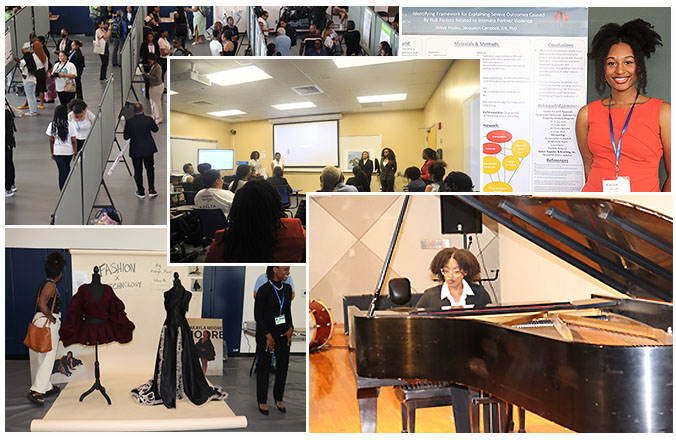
(366, 167)
(68, 47)
(139, 129)
(144, 52)
(79, 61)
(431, 298)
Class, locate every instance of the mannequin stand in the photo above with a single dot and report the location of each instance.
(97, 383)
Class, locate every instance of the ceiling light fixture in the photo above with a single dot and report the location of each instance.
(227, 113)
(240, 75)
(294, 105)
(343, 62)
(382, 98)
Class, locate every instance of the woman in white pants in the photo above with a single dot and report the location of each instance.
(156, 88)
(48, 309)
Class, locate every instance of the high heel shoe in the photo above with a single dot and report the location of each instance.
(265, 412)
(281, 409)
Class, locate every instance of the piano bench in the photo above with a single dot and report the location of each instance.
(498, 415)
(427, 394)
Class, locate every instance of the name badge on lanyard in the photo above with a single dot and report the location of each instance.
(619, 184)
(281, 319)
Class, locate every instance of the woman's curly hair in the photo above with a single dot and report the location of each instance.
(638, 34)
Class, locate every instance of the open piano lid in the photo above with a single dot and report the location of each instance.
(627, 247)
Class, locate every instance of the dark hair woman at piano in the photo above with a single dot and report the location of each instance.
(458, 270)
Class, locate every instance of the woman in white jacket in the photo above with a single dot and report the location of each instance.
(64, 73)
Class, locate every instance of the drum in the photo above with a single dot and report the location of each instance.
(321, 324)
(312, 326)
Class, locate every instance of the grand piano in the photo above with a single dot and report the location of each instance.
(601, 364)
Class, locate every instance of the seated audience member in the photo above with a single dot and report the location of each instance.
(242, 176)
(359, 180)
(188, 172)
(308, 39)
(328, 42)
(257, 230)
(384, 49)
(437, 169)
(332, 180)
(278, 178)
(213, 196)
(415, 184)
(272, 50)
(457, 181)
(283, 42)
(317, 50)
(197, 181)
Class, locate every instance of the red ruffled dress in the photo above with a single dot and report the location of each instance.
(116, 327)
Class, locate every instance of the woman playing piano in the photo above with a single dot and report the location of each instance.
(458, 270)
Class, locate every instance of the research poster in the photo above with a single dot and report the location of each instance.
(533, 82)
(8, 45)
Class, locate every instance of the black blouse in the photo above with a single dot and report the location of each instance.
(267, 308)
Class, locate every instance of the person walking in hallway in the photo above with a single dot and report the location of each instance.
(139, 131)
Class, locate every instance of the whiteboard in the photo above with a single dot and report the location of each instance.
(355, 145)
(184, 150)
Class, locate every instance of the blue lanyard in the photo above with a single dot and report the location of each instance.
(616, 148)
(281, 301)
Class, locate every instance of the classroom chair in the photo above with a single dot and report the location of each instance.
(189, 197)
(284, 192)
(212, 220)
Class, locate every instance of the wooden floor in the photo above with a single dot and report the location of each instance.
(333, 402)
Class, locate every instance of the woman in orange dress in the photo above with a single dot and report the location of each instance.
(622, 138)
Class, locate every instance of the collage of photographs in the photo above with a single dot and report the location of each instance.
(469, 207)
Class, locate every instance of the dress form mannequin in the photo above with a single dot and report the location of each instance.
(96, 289)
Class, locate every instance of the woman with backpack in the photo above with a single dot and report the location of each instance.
(117, 35)
(199, 22)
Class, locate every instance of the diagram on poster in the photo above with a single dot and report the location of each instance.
(504, 157)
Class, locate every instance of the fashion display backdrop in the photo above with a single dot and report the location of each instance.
(139, 279)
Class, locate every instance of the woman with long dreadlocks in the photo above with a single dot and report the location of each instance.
(257, 229)
(642, 122)
(62, 142)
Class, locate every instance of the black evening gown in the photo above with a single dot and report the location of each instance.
(178, 373)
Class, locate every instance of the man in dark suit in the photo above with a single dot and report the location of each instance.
(141, 149)
(78, 60)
